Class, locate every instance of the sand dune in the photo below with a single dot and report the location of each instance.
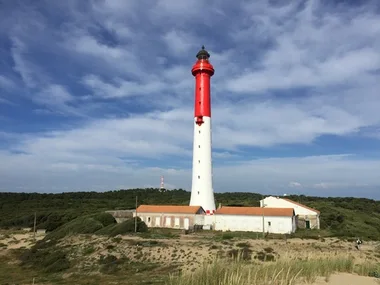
(346, 279)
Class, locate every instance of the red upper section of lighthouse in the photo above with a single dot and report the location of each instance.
(202, 70)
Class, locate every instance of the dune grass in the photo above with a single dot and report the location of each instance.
(286, 271)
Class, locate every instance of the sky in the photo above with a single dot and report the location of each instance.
(98, 95)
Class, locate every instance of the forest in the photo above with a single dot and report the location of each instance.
(342, 217)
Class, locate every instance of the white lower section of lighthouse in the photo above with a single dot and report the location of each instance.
(202, 192)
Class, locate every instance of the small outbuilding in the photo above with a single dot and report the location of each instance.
(168, 216)
(306, 217)
(253, 219)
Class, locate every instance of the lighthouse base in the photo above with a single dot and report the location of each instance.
(202, 193)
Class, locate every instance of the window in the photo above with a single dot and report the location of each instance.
(269, 224)
(199, 177)
(199, 161)
(199, 146)
(199, 131)
(148, 219)
(198, 192)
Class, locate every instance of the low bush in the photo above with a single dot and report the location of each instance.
(241, 254)
(128, 227)
(48, 259)
(110, 264)
(81, 225)
(105, 218)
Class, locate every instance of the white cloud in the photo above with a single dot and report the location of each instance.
(121, 88)
(310, 50)
(46, 169)
(294, 184)
(178, 42)
(285, 74)
(6, 83)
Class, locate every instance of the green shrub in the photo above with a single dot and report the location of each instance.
(242, 244)
(105, 218)
(81, 225)
(128, 227)
(243, 254)
(265, 256)
(58, 266)
(88, 250)
(48, 259)
(227, 236)
(110, 264)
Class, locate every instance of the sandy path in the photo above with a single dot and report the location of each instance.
(346, 279)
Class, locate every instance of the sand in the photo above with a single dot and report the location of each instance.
(346, 279)
(23, 239)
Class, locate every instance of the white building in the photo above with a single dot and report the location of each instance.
(306, 217)
(253, 219)
(169, 216)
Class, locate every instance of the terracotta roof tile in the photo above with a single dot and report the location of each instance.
(301, 205)
(168, 209)
(255, 211)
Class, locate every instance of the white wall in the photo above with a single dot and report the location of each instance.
(152, 219)
(199, 219)
(209, 219)
(274, 202)
(202, 193)
(278, 225)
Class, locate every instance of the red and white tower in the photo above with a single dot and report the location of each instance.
(202, 192)
(162, 185)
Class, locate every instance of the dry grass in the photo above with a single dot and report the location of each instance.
(285, 271)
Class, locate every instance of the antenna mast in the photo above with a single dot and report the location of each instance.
(162, 185)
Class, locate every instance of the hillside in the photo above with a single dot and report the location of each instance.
(344, 217)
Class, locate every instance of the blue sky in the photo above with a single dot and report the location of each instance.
(98, 95)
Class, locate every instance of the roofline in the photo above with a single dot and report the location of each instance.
(185, 213)
(302, 205)
(263, 210)
(259, 215)
(199, 207)
(296, 203)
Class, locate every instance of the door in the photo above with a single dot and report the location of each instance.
(307, 224)
(186, 223)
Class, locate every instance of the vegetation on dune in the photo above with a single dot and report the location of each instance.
(342, 217)
(48, 256)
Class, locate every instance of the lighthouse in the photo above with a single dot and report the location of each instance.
(202, 192)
